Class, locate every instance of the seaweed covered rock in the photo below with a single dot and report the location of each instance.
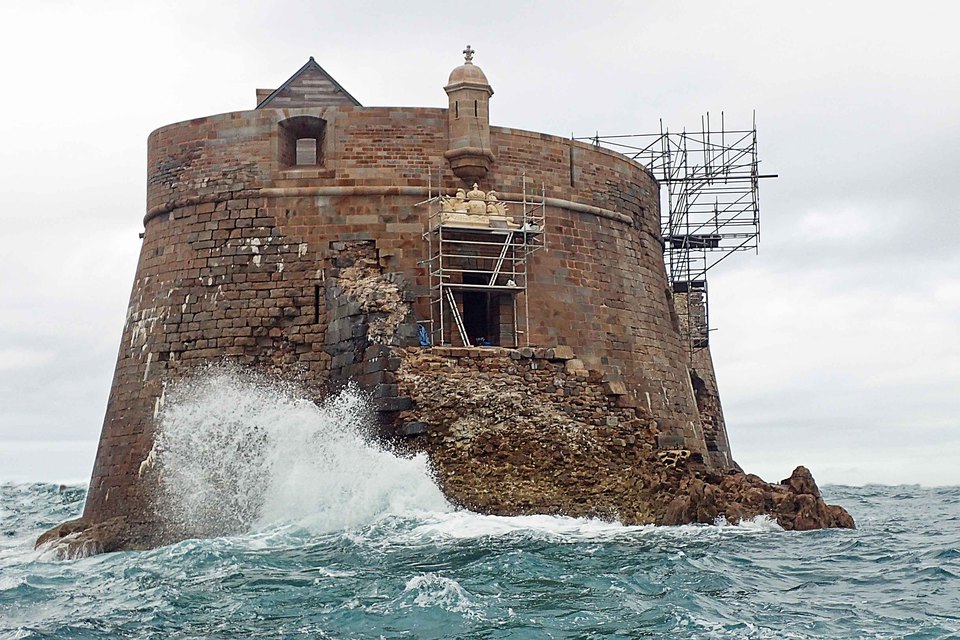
(513, 436)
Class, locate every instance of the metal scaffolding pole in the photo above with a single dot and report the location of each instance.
(710, 207)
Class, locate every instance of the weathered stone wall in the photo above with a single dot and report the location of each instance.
(214, 280)
(602, 272)
(691, 312)
(704, 381)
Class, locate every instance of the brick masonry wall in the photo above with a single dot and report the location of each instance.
(238, 256)
(692, 321)
(704, 382)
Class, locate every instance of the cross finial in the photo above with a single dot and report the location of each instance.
(468, 54)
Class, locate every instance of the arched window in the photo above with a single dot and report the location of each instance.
(301, 141)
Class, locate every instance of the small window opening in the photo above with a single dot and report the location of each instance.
(476, 109)
(301, 141)
(307, 152)
(316, 304)
(456, 109)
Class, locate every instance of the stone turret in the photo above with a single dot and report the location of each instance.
(469, 93)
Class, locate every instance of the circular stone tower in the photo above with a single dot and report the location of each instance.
(306, 238)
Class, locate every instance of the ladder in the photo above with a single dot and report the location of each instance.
(503, 254)
(456, 317)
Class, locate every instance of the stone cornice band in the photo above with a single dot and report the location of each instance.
(295, 192)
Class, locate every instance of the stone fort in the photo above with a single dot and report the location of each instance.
(450, 268)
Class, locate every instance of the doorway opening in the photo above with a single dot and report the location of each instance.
(481, 312)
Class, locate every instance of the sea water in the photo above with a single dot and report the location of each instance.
(343, 539)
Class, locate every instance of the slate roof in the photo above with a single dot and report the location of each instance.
(311, 86)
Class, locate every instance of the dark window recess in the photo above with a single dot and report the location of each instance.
(456, 109)
(300, 141)
(481, 313)
(316, 304)
(476, 109)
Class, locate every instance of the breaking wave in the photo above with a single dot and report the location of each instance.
(237, 452)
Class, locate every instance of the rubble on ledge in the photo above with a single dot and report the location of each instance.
(514, 432)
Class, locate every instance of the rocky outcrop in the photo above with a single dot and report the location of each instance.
(80, 538)
(514, 432)
(795, 503)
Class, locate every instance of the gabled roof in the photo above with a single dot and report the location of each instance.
(311, 86)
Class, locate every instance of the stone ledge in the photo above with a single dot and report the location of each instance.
(363, 190)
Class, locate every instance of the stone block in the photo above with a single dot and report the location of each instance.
(385, 390)
(392, 404)
(376, 351)
(342, 359)
(669, 442)
(563, 352)
(413, 428)
(615, 388)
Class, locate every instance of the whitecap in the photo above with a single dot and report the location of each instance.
(434, 590)
(238, 453)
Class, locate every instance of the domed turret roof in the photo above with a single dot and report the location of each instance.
(468, 73)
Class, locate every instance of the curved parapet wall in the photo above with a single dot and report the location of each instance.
(239, 244)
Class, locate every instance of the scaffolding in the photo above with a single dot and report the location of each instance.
(710, 206)
(478, 266)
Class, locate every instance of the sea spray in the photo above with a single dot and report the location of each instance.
(237, 452)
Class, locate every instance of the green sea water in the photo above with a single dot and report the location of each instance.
(461, 575)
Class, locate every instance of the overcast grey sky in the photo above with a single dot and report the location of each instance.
(836, 346)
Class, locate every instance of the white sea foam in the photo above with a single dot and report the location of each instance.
(466, 525)
(238, 453)
(333, 573)
(761, 523)
(435, 590)
(440, 527)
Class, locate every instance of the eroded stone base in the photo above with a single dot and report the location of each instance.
(81, 537)
(512, 434)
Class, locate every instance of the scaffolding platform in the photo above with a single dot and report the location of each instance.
(478, 251)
